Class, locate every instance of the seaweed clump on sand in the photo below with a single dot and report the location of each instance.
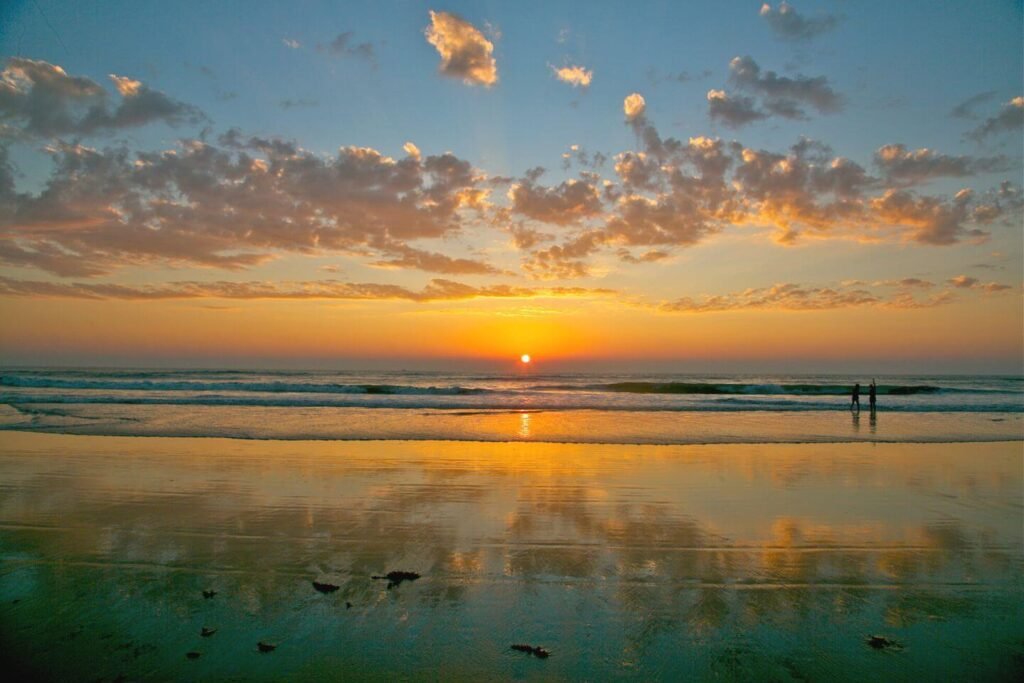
(265, 647)
(325, 587)
(396, 578)
(883, 643)
(536, 651)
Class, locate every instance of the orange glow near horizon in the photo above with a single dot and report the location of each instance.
(560, 331)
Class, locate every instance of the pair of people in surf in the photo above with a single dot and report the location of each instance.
(872, 396)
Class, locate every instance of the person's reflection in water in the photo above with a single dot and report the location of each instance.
(872, 421)
(856, 420)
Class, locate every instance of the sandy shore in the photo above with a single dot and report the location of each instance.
(720, 561)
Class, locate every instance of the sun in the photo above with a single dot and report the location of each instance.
(525, 358)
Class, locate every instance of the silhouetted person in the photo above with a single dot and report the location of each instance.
(872, 395)
(855, 400)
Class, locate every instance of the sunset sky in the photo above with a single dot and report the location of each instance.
(821, 185)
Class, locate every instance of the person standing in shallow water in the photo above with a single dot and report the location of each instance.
(855, 400)
(872, 395)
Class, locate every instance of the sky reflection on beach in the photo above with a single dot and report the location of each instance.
(623, 560)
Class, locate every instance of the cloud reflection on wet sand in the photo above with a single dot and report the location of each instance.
(730, 560)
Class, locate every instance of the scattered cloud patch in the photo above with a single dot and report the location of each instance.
(343, 45)
(298, 104)
(39, 99)
(967, 108)
(576, 76)
(789, 24)
(1010, 118)
(904, 166)
(435, 290)
(796, 297)
(782, 95)
(465, 53)
(733, 110)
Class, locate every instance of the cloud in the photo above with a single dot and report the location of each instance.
(904, 166)
(576, 76)
(683, 76)
(734, 111)
(789, 24)
(783, 95)
(343, 46)
(967, 282)
(931, 220)
(298, 104)
(233, 206)
(965, 109)
(580, 156)
(634, 106)
(465, 53)
(435, 290)
(39, 99)
(796, 297)
(412, 150)
(565, 261)
(566, 204)
(1010, 118)
(291, 44)
(404, 256)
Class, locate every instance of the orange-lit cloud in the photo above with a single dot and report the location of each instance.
(634, 106)
(436, 290)
(576, 76)
(465, 52)
(795, 297)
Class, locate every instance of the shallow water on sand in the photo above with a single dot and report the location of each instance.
(732, 562)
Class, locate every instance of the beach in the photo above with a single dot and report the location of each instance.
(732, 561)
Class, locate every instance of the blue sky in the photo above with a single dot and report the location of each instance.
(903, 66)
(853, 76)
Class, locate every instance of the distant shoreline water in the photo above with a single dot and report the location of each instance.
(566, 408)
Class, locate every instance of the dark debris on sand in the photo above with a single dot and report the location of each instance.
(532, 650)
(325, 587)
(265, 647)
(207, 632)
(209, 594)
(396, 578)
(193, 655)
(883, 643)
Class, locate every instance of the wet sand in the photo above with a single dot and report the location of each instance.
(727, 562)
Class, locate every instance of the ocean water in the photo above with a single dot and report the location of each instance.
(605, 408)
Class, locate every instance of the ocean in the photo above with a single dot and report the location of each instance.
(634, 526)
(601, 408)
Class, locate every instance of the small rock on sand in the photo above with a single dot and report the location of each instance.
(536, 651)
